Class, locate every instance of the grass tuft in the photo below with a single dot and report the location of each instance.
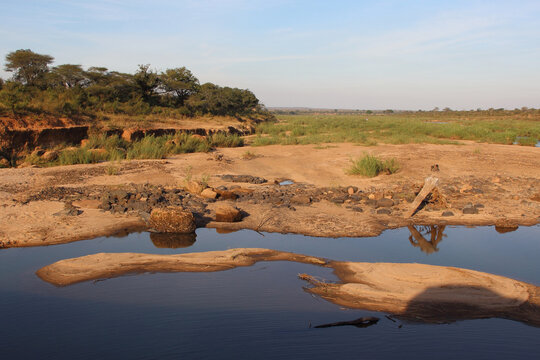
(371, 166)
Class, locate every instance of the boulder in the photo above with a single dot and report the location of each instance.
(447, 213)
(384, 202)
(228, 213)
(172, 220)
(470, 209)
(209, 193)
(301, 200)
(226, 195)
(50, 155)
(194, 187)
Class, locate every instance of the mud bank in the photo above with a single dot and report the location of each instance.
(414, 292)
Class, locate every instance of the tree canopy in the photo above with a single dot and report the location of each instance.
(69, 89)
(27, 66)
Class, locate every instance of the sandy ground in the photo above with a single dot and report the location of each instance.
(504, 179)
(416, 292)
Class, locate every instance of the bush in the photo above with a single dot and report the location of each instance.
(371, 166)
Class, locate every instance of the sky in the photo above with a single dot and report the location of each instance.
(381, 54)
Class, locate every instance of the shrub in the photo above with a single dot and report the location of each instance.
(371, 166)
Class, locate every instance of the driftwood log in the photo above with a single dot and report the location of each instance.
(429, 185)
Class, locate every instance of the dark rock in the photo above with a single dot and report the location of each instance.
(470, 209)
(447, 213)
(244, 178)
(357, 209)
(384, 202)
(384, 211)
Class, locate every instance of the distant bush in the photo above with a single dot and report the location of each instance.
(371, 166)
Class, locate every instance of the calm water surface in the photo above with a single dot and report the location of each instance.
(258, 312)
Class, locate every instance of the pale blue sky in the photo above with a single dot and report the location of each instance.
(332, 54)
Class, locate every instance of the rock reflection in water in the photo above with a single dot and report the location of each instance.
(435, 233)
(172, 241)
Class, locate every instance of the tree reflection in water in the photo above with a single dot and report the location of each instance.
(418, 237)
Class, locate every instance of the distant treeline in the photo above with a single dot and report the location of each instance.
(434, 112)
(38, 87)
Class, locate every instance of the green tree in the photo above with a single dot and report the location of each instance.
(147, 82)
(180, 83)
(27, 66)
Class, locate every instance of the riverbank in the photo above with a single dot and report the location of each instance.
(479, 184)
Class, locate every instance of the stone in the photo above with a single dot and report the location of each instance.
(352, 189)
(301, 200)
(172, 220)
(4, 163)
(384, 202)
(228, 213)
(384, 211)
(244, 178)
(469, 209)
(447, 213)
(357, 209)
(50, 155)
(209, 193)
(194, 187)
(226, 195)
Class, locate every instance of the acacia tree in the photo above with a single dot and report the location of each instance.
(68, 75)
(180, 83)
(27, 66)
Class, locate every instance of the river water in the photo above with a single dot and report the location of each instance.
(257, 312)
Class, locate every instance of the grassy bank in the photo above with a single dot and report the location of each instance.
(101, 148)
(401, 128)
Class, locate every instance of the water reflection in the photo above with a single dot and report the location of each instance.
(467, 302)
(172, 241)
(418, 237)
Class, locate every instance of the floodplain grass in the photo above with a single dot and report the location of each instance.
(399, 128)
(371, 166)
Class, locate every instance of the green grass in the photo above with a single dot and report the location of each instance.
(101, 148)
(224, 140)
(399, 128)
(149, 147)
(371, 166)
(79, 156)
